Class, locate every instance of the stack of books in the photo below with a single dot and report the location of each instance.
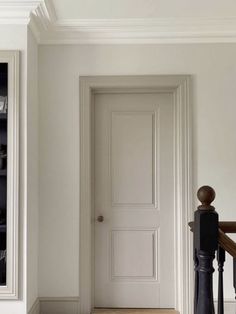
(3, 104)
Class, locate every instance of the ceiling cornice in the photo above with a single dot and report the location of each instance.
(17, 12)
(134, 31)
(48, 29)
(42, 19)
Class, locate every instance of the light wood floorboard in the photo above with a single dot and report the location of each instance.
(134, 311)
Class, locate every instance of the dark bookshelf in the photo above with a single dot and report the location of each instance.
(3, 173)
(3, 116)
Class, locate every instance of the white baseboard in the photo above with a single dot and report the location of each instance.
(229, 306)
(65, 305)
(35, 309)
(70, 305)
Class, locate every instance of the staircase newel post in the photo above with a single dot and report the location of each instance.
(205, 244)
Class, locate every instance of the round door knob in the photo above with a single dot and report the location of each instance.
(100, 219)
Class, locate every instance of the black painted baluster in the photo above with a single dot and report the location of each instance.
(206, 243)
(196, 281)
(234, 275)
(221, 260)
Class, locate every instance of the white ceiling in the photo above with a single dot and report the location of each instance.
(116, 9)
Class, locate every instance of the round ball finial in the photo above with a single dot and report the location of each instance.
(206, 196)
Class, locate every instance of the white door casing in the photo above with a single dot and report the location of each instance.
(178, 85)
(134, 192)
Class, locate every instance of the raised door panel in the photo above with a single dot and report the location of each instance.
(133, 159)
(126, 261)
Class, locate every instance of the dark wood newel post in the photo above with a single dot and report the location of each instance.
(205, 245)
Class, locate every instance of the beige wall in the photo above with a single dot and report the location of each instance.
(32, 169)
(213, 70)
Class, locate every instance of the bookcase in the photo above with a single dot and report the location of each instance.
(9, 174)
(3, 170)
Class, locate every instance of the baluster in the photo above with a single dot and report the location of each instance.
(221, 260)
(206, 243)
(234, 275)
(196, 281)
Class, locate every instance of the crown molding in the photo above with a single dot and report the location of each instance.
(17, 12)
(48, 29)
(138, 31)
(42, 19)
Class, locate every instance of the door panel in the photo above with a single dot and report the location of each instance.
(132, 176)
(134, 245)
(126, 261)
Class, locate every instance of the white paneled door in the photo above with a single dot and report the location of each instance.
(134, 200)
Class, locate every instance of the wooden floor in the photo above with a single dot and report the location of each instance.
(133, 311)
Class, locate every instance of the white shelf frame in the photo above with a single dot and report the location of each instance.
(10, 291)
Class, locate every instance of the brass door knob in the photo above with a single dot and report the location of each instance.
(100, 219)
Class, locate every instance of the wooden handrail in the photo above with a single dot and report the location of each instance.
(226, 243)
(228, 226)
(225, 226)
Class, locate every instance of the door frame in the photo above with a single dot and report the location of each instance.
(179, 86)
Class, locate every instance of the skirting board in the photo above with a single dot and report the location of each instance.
(71, 306)
(229, 307)
(65, 305)
(35, 309)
